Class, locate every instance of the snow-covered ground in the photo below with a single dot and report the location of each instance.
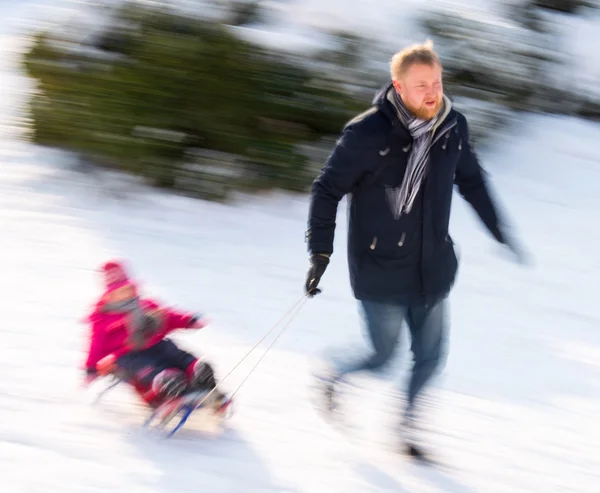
(518, 402)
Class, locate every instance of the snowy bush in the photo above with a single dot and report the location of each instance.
(152, 88)
(565, 6)
(497, 56)
(512, 59)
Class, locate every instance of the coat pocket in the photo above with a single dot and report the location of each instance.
(400, 243)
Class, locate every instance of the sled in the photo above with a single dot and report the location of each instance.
(169, 418)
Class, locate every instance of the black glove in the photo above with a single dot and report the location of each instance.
(318, 264)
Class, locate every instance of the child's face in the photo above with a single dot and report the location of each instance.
(113, 275)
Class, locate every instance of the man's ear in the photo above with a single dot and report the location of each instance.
(397, 85)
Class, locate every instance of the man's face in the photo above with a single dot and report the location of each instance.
(421, 90)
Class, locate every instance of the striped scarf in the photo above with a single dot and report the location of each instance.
(141, 325)
(402, 199)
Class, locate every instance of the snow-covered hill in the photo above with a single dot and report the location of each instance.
(518, 402)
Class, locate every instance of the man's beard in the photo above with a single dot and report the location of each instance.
(426, 113)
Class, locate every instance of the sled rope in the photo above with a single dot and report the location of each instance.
(296, 306)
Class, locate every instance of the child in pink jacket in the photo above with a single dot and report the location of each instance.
(128, 338)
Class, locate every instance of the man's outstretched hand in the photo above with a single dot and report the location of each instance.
(521, 255)
(515, 249)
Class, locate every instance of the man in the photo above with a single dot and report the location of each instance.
(399, 161)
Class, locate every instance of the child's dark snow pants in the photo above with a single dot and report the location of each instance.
(142, 366)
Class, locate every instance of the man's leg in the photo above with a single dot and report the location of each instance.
(428, 327)
(383, 323)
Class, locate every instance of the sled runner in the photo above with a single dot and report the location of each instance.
(168, 418)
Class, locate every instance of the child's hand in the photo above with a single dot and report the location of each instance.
(106, 365)
(197, 322)
(90, 376)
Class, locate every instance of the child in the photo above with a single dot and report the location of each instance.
(129, 339)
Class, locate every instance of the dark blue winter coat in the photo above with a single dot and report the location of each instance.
(412, 257)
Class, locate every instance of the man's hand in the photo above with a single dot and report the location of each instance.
(513, 247)
(521, 256)
(318, 264)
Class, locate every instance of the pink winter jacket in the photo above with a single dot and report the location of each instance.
(109, 331)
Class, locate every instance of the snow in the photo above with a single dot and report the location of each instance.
(518, 402)
(580, 37)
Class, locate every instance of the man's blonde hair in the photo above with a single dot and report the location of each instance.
(412, 55)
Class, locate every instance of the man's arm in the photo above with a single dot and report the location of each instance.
(345, 167)
(471, 180)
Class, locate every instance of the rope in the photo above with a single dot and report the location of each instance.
(297, 305)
